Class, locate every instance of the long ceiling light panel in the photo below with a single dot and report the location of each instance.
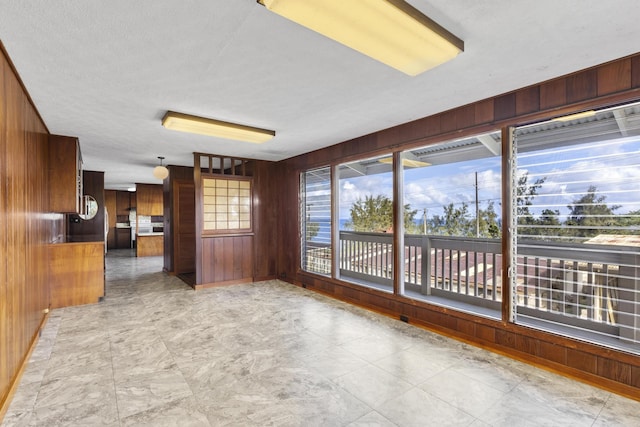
(390, 31)
(210, 127)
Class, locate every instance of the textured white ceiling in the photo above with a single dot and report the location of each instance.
(107, 71)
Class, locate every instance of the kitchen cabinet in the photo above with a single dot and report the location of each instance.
(123, 203)
(76, 273)
(149, 245)
(65, 174)
(149, 199)
(123, 237)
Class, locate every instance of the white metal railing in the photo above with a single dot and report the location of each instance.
(580, 286)
(586, 287)
(367, 257)
(570, 288)
(455, 267)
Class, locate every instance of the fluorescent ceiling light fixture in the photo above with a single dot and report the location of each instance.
(408, 163)
(575, 116)
(390, 31)
(211, 127)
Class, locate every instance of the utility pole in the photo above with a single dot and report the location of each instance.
(424, 221)
(477, 209)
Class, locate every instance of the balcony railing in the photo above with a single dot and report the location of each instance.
(367, 257)
(586, 287)
(465, 269)
(461, 268)
(589, 287)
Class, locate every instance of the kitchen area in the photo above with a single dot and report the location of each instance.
(137, 220)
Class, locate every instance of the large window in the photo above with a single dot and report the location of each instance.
(366, 222)
(315, 215)
(452, 198)
(574, 230)
(577, 220)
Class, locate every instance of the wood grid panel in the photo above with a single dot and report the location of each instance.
(24, 229)
(608, 84)
(226, 205)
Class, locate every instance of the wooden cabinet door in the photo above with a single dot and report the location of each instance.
(149, 199)
(122, 203)
(123, 238)
(184, 226)
(65, 174)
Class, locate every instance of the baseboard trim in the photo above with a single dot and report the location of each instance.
(6, 402)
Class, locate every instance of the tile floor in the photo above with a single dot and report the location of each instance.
(156, 353)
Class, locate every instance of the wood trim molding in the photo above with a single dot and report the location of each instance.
(4, 404)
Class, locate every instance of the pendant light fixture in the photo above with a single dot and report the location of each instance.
(160, 171)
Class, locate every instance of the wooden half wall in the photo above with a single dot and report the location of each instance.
(25, 230)
(234, 256)
(608, 84)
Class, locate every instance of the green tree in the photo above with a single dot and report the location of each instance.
(454, 222)
(488, 222)
(525, 195)
(589, 215)
(549, 217)
(547, 224)
(375, 214)
(312, 229)
(630, 220)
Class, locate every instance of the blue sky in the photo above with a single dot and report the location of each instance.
(612, 166)
(430, 187)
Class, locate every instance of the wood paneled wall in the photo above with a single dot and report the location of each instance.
(110, 206)
(265, 217)
(608, 84)
(90, 230)
(172, 243)
(226, 260)
(25, 230)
